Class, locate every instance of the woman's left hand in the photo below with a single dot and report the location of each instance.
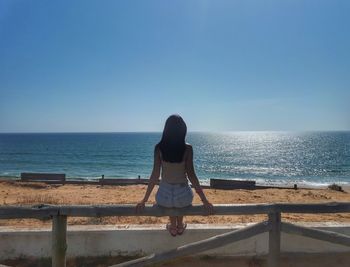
(208, 207)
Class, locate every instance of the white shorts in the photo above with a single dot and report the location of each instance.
(174, 195)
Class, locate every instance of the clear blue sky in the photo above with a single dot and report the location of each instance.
(75, 66)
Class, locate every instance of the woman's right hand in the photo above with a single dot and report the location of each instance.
(140, 206)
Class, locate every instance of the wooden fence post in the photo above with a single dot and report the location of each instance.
(274, 239)
(59, 240)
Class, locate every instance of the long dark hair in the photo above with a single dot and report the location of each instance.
(172, 145)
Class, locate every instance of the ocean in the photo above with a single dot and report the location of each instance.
(276, 158)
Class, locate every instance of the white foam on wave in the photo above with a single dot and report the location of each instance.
(284, 183)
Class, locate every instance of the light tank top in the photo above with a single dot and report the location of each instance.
(174, 172)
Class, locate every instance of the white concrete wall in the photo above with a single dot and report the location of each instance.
(130, 240)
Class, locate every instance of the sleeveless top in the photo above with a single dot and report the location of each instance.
(174, 172)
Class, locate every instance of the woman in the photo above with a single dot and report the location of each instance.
(174, 158)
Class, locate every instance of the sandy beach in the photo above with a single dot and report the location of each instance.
(19, 193)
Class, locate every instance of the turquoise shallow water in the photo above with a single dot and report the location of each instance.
(314, 158)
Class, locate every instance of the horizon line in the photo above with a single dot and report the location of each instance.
(194, 131)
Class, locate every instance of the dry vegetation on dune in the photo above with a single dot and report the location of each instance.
(15, 193)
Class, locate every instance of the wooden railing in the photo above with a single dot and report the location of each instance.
(274, 226)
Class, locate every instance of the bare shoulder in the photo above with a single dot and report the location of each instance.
(188, 146)
(189, 153)
(189, 149)
(156, 150)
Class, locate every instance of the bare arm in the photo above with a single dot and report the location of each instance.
(193, 177)
(152, 180)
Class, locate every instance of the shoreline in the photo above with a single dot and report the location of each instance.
(205, 183)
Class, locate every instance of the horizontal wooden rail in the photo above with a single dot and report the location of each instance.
(327, 207)
(47, 211)
(22, 212)
(157, 211)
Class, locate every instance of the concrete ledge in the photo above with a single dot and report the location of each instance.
(100, 240)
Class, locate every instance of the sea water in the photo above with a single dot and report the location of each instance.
(314, 158)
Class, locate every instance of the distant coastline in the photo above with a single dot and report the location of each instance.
(206, 182)
(190, 132)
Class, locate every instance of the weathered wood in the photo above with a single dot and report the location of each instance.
(274, 239)
(231, 184)
(26, 176)
(12, 212)
(222, 209)
(323, 235)
(129, 210)
(330, 207)
(122, 181)
(59, 241)
(80, 182)
(45, 211)
(200, 246)
(36, 212)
